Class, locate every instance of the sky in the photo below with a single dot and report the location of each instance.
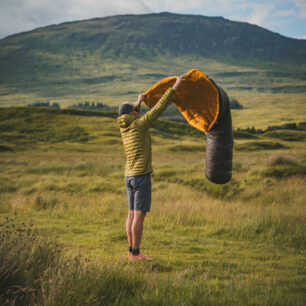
(287, 18)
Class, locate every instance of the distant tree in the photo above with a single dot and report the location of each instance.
(301, 126)
(93, 106)
(55, 105)
(234, 104)
(44, 104)
(39, 104)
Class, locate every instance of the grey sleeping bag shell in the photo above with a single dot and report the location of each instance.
(219, 143)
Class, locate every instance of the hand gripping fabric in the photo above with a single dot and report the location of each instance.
(205, 107)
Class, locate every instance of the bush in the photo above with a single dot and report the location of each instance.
(99, 106)
(234, 104)
(280, 172)
(282, 166)
(44, 104)
(276, 160)
(5, 149)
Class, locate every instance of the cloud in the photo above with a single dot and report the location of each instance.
(301, 6)
(24, 15)
(260, 13)
(175, 5)
(284, 13)
(217, 7)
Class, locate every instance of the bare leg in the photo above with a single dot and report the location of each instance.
(128, 226)
(137, 228)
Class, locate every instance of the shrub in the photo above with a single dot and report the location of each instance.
(234, 104)
(44, 104)
(282, 166)
(5, 148)
(93, 106)
(280, 172)
(276, 160)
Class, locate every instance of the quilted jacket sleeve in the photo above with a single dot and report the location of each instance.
(147, 119)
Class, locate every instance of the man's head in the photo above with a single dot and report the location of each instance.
(128, 108)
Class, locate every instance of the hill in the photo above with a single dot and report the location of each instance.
(112, 59)
(155, 34)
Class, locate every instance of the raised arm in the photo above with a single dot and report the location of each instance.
(161, 105)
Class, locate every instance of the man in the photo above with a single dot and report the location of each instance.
(138, 168)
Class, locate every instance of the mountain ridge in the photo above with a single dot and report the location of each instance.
(213, 37)
(160, 13)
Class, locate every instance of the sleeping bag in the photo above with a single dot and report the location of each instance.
(205, 106)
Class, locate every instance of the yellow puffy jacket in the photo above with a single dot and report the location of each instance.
(137, 139)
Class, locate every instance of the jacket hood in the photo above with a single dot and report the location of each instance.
(125, 120)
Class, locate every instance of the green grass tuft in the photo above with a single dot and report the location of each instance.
(187, 148)
(243, 135)
(285, 171)
(259, 145)
(281, 159)
(45, 203)
(287, 135)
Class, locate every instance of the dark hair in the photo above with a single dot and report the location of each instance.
(125, 108)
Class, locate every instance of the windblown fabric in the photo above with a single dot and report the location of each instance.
(205, 106)
(197, 98)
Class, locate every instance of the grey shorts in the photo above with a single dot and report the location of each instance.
(139, 192)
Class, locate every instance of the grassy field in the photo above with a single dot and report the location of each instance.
(63, 206)
(277, 90)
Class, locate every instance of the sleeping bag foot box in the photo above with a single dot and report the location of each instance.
(219, 144)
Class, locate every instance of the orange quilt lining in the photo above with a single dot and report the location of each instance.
(197, 98)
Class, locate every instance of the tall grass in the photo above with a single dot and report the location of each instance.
(24, 257)
(34, 272)
(238, 243)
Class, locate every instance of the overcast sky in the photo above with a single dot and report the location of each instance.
(285, 17)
